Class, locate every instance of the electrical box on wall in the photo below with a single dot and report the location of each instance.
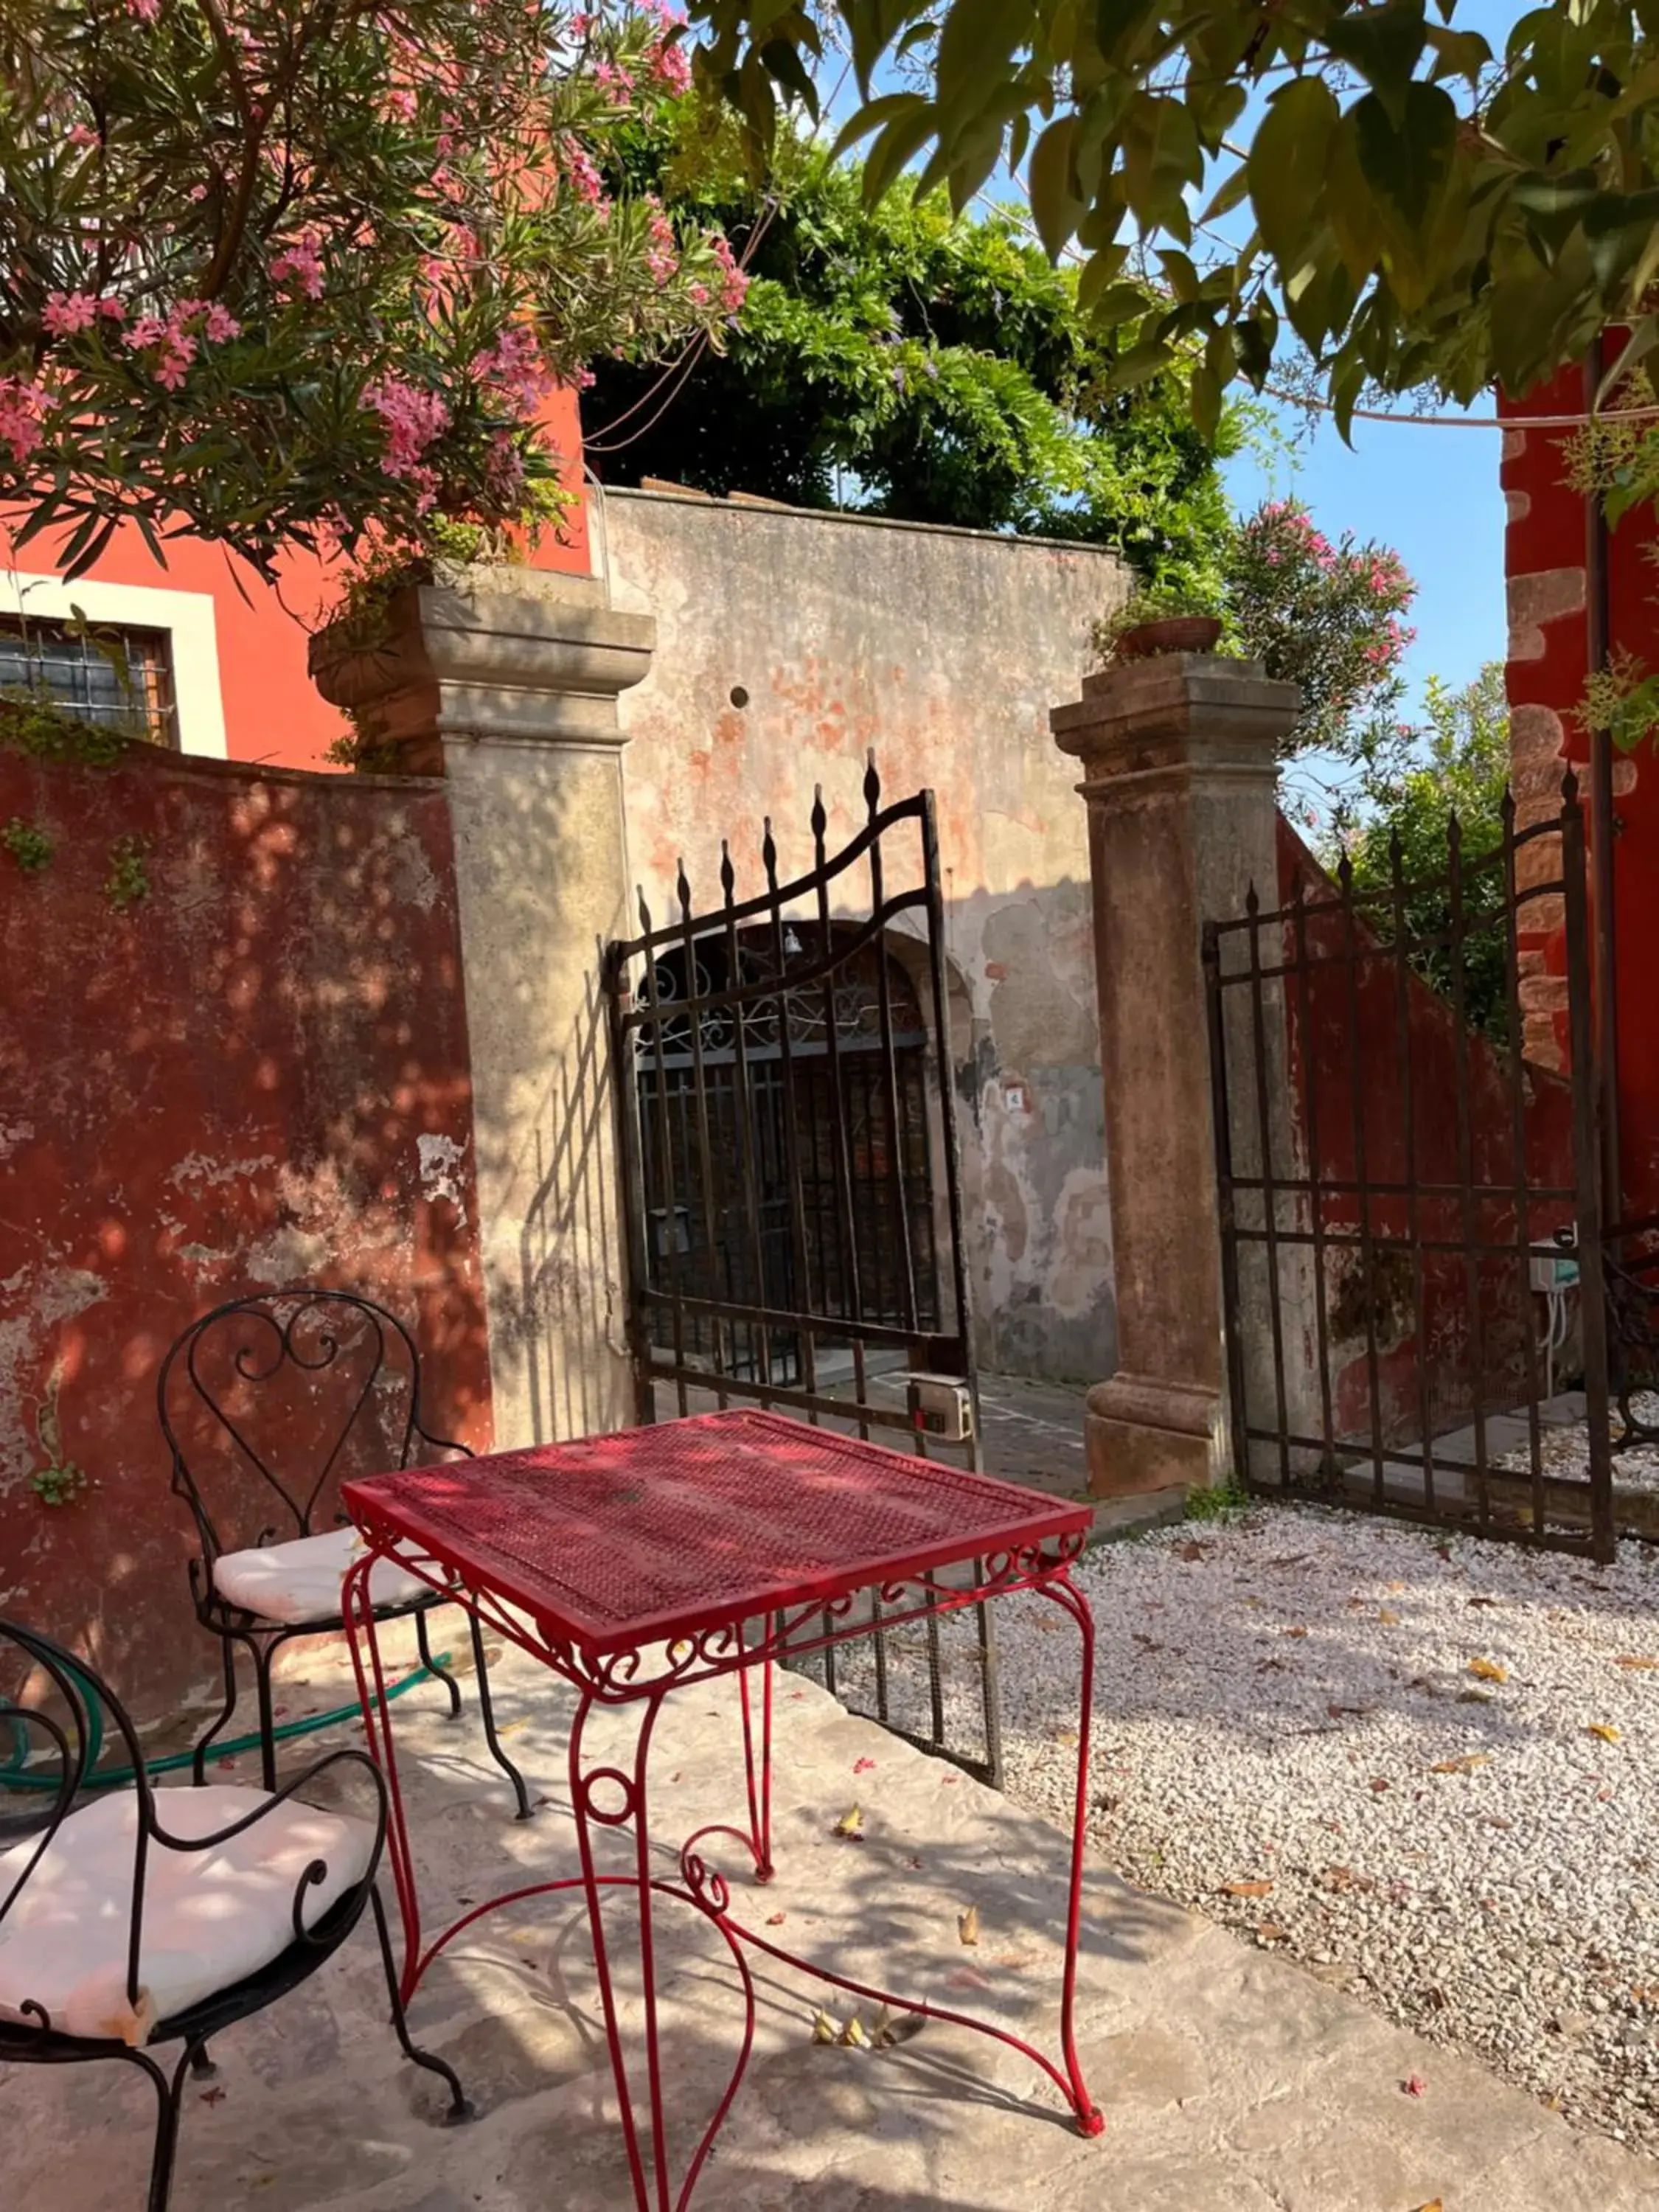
(941, 1407)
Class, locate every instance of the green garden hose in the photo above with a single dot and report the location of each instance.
(13, 1776)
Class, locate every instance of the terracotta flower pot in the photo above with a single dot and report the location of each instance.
(1169, 633)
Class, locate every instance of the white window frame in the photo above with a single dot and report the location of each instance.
(187, 618)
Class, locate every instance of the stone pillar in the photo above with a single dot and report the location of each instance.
(506, 684)
(1179, 758)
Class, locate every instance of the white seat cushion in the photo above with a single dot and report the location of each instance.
(301, 1580)
(210, 1917)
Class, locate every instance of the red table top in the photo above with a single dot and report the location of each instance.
(654, 1533)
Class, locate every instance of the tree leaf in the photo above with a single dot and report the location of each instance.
(873, 116)
(850, 1825)
(900, 141)
(1488, 1670)
(975, 47)
(1407, 164)
(1055, 206)
(1140, 365)
(1384, 45)
(1285, 167)
(1605, 1731)
(1350, 206)
(968, 1924)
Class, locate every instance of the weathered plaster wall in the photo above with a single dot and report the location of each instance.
(789, 644)
(255, 1076)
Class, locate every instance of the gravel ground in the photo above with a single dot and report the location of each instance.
(1566, 1451)
(1423, 1765)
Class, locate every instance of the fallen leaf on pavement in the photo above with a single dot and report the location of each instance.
(967, 1978)
(850, 1826)
(1470, 1763)
(852, 2036)
(1292, 1631)
(1608, 1733)
(776, 1919)
(1388, 1616)
(1488, 1670)
(1433, 2205)
(881, 2031)
(1415, 2086)
(1193, 1550)
(214, 2096)
(1646, 1665)
(1269, 1932)
(862, 1765)
(825, 2028)
(1246, 1888)
(968, 1924)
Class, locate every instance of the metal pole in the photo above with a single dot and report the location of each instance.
(1597, 627)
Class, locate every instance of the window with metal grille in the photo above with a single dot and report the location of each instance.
(117, 678)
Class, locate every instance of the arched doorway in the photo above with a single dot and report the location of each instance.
(795, 1176)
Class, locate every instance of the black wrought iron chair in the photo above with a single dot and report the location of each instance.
(237, 1395)
(135, 1917)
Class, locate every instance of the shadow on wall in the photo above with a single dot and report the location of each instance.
(1026, 1054)
(232, 1056)
(571, 1322)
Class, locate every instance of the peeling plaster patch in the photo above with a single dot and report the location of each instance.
(320, 1223)
(413, 881)
(1079, 1281)
(201, 1167)
(48, 1295)
(12, 1134)
(440, 1161)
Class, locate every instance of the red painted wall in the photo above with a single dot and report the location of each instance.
(273, 713)
(1545, 556)
(225, 1087)
(1441, 1358)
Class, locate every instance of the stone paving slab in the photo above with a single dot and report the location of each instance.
(1231, 2081)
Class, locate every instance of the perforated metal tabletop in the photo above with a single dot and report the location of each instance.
(657, 1533)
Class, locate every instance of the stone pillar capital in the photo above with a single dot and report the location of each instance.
(514, 655)
(1179, 714)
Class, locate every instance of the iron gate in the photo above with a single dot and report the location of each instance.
(1411, 1210)
(792, 1189)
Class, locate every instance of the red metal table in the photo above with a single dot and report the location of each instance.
(636, 1563)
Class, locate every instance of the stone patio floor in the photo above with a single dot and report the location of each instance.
(1231, 2081)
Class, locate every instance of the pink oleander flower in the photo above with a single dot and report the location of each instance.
(83, 134)
(66, 312)
(402, 103)
(504, 470)
(580, 169)
(300, 266)
(148, 330)
(23, 407)
(734, 289)
(116, 310)
(219, 325)
(662, 256)
(671, 65)
(412, 420)
(145, 10)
